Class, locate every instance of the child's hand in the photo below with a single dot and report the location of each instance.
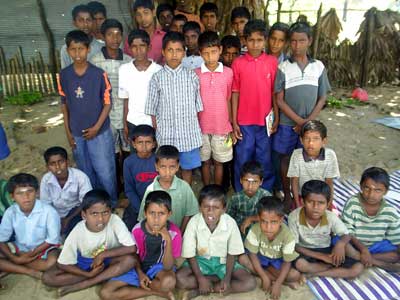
(326, 258)
(89, 133)
(96, 271)
(275, 125)
(233, 138)
(237, 133)
(265, 283)
(276, 291)
(97, 261)
(71, 141)
(144, 281)
(24, 258)
(338, 254)
(366, 258)
(245, 224)
(126, 134)
(205, 286)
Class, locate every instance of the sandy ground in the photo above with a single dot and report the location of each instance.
(358, 143)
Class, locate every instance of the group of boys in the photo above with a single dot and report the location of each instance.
(210, 94)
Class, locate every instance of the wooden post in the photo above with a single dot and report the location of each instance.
(42, 72)
(14, 76)
(278, 12)
(31, 78)
(369, 25)
(317, 33)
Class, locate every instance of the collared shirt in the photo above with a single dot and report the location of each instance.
(242, 206)
(192, 61)
(385, 225)
(306, 168)
(253, 79)
(111, 67)
(66, 60)
(184, 202)
(318, 236)
(65, 198)
(41, 225)
(174, 99)
(282, 246)
(198, 240)
(215, 91)
(156, 46)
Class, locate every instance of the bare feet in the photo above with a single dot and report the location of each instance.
(302, 280)
(69, 289)
(187, 295)
(170, 296)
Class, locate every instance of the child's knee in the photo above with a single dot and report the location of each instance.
(48, 278)
(249, 282)
(106, 293)
(168, 282)
(181, 278)
(301, 265)
(128, 261)
(356, 270)
(293, 275)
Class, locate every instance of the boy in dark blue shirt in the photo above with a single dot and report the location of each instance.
(86, 102)
(139, 171)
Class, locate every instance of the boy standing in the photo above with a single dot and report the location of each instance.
(174, 102)
(177, 23)
(301, 86)
(277, 40)
(63, 188)
(36, 226)
(313, 227)
(99, 13)
(209, 16)
(253, 78)
(215, 90)
(230, 49)
(211, 244)
(240, 15)
(191, 32)
(86, 102)
(164, 13)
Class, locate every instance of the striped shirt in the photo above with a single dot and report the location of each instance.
(174, 99)
(371, 229)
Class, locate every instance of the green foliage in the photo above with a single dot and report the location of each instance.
(25, 98)
(334, 102)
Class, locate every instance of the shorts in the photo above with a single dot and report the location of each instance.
(213, 266)
(43, 255)
(190, 160)
(378, 247)
(119, 140)
(285, 140)
(265, 262)
(219, 147)
(155, 269)
(348, 262)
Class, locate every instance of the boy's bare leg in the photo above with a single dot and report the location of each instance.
(45, 264)
(7, 266)
(311, 268)
(164, 283)
(294, 278)
(341, 272)
(205, 172)
(242, 281)
(218, 172)
(284, 167)
(186, 280)
(55, 277)
(244, 260)
(119, 290)
(187, 176)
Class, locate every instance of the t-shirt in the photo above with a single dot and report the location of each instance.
(282, 246)
(302, 88)
(85, 97)
(151, 248)
(385, 225)
(134, 85)
(89, 244)
(306, 168)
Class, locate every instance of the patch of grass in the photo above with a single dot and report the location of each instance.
(25, 98)
(334, 102)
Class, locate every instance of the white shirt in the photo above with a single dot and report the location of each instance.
(66, 198)
(133, 84)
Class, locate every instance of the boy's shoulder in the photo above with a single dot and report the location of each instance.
(289, 64)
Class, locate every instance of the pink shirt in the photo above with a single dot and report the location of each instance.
(215, 91)
(156, 46)
(253, 79)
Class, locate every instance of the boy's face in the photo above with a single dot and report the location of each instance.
(84, 22)
(372, 191)
(211, 55)
(255, 43)
(209, 20)
(165, 19)
(139, 49)
(212, 209)
(99, 19)
(113, 38)
(58, 165)
(238, 25)
(270, 223)
(315, 206)
(25, 196)
(299, 43)
(177, 26)
(173, 53)
(78, 52)
(191, 38)
(144, 146)
(167, 169)
(313, 142)
(96, 217)
(144, 17)
(276, 42)
(156, 217)
(250, 183)
(229, 54)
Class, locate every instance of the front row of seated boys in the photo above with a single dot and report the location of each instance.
(100, 248)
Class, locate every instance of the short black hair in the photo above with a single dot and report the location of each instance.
(163, 7)
(314, 125)
(77, 36)
(192, 25)
(22, 180)
(271, 204)
(240, 12)
(230, 41)
(138, 34)
(300, 27)
(158, 197)
(95, 196)
(213, 191)
(279, 26)
(97, 7)
(378, 175)
(143, 130)
(256, 25)
(56, 150)
(111, 23)
(179, 17)
(252, 167)
(208, 39)
(167, 152)
(208, 7)
(80, 8)
(316, 187)
(143, 3)
(172, 36)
